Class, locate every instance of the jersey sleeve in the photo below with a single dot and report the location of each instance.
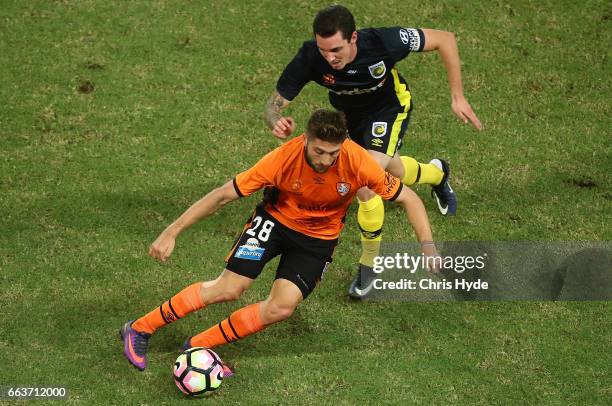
(383, 183)
(400, 41)
(295, 76)
(261, 174)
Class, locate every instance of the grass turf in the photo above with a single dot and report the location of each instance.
(115, 116)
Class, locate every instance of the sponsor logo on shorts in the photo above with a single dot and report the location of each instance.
(378, 70)
(343, 188)
(379, 128)
(251, 250)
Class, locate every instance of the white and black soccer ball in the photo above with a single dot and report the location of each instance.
(198, 370)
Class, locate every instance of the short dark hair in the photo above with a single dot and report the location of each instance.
(332, 19)
(327, 125)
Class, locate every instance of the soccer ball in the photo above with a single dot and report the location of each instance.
(198, 370)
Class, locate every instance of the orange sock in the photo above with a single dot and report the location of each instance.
(186, 301)
(240, 324)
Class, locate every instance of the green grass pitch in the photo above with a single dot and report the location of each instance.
(116, 115)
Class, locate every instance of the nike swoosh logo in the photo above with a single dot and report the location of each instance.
(363, 292)
(137, 357)
(443, 210)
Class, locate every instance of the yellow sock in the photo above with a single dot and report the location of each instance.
(370, 216)
(416, 172)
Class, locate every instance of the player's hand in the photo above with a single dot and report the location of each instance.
(433, 261)
(464, 112)
(162, 248)
(284, 127)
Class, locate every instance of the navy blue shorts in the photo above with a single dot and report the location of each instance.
(382, 131)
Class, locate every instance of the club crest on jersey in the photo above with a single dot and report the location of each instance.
(296, 185)
(329, 79)
(343, 188)
(379, 129)
(378, 70)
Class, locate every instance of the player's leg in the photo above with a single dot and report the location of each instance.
(435, 173)
(371, 210)
(381, 135)
(303, 262)
(397, 117)
(280, 304)
(245, 262)
(227, 287)
(284, 298)
(370, 218)
(410, 171)
(136, 334)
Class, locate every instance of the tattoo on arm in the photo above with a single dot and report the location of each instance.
(273, 109)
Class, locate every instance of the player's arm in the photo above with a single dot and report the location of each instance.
(290, 83)
(445, 43)
(391, 188)
(417, 216)
(163, 246)
(281, 127)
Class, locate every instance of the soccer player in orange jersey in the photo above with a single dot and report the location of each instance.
(311, 181)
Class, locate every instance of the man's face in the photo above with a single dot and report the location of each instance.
(321, 154)
(337, 51)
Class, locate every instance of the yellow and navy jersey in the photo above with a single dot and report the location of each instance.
(368, 83)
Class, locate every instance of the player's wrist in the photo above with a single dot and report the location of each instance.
(173, 230)
(428, 246)
(457, 96)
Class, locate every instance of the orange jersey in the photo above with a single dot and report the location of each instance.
(315, 203)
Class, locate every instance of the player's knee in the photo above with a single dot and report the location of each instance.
(364, 194)
(396, 170)
(370, 217)
(233, 293)
(275, 312)
(218, 294)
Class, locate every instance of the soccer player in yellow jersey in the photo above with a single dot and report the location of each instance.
(358, 69)
(315, 176)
